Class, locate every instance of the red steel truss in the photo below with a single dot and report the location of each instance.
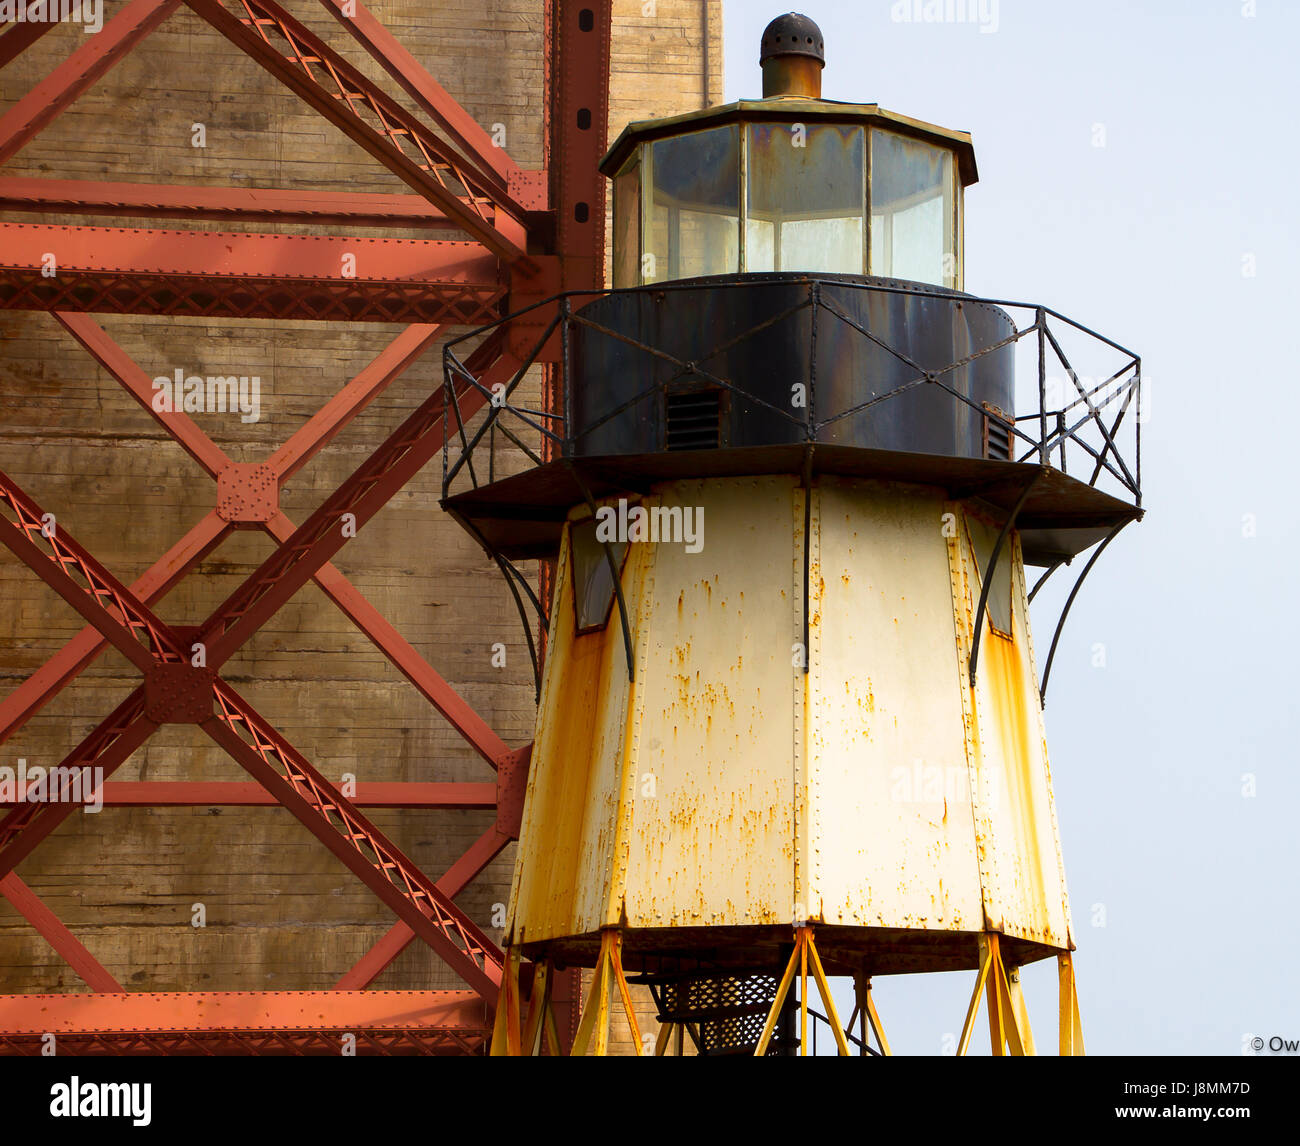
(527, 234)
(245, 1022)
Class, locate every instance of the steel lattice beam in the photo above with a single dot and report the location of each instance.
(398, 937)
(370, 118)
(221, 273)
(268, 757)
(39, 107)
(61, 669)
(69, 948)
(222, 204)
(491, 160)
(245, 1022)
(240, 794)
(288, 459)
(17, 38)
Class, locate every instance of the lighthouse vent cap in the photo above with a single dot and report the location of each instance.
(792, 35)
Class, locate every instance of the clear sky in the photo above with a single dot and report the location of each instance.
(1137, 174)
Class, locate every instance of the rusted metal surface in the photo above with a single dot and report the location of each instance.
(793, 110)
(725, 790)
(894, 831)
(1022, 875)
(570, 811)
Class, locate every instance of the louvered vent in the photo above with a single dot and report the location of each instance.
(694, 420)
(997, 434)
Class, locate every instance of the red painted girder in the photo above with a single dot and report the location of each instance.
(69, 948)
(223, 204)
(28, 698)
(512, 778)
(244, 255)
(269, 758)
(269, 1044)
(47, 681)
(17, 38)
(398, 937)
(372, 381)
(578, 81)
(182, 428)
(79, 71)
(81, 581)
(388, 51)
(240, 794)
(322, 535)
(328, 83)
(308, 440)
(352, 838)
(385, 637)
(199, 296)
(404, 349)
(106, 748)
(232, 1011)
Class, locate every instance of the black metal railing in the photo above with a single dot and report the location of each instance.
(1072, 417)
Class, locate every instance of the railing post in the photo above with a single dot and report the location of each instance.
(1040, 322)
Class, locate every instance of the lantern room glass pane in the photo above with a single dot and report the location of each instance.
(913, 210)
(999, 607)
(593, 582)
(804, 204)
(627, 225)
(694, 211)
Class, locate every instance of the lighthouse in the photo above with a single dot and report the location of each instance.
(799, 489)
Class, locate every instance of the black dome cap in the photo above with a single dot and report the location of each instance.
(792, 35)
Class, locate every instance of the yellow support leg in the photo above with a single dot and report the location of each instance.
(665, 1036)
(595, 1014)
(616, 966)
(1019, 1011)
(841, 1043)
(1006, 1032)
(505, 1030)
(1071, 1029)
(805, 951)
(782, 990)
(968, 1027)
(539, 1004)
(875, 1022)
(802, 944)
(993, 988)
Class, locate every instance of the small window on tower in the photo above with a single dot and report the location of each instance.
(998, 610)
(593, 583)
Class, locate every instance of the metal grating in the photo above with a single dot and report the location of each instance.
(727, 1011)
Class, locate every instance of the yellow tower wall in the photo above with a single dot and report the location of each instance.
(727, 788)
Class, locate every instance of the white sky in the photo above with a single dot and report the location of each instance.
(1145, 239)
